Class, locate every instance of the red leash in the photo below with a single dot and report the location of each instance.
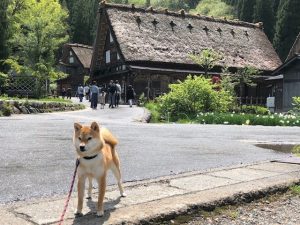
(69, 195)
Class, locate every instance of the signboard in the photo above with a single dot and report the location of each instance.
(271, 102)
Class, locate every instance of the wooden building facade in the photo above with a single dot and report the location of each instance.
(287, 84)
(150, 49)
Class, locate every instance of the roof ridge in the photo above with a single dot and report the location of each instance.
(80, 45)
(290, 55)
(181, 13)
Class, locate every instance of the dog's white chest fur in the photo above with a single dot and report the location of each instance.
(93, 167)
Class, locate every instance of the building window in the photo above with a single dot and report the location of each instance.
(118, 56)
(124, 67)
(111, 40)
(71, 53)
(71, 59)
(107, 56)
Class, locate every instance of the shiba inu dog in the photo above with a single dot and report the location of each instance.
(95, 147)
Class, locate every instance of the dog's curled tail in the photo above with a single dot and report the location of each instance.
(108, 137)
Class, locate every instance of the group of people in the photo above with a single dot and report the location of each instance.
(97, 94)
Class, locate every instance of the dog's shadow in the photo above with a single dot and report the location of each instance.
(91, 217)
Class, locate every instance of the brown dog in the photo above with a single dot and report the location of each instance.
(96, 151)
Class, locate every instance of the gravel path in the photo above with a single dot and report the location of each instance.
(278, 209)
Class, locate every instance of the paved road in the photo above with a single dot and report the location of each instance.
(37, 157)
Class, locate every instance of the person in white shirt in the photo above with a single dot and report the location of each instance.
(87, 92)
(80, 92)
(118, 93)
(94, 93)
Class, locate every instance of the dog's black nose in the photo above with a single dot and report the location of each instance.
(82, 148)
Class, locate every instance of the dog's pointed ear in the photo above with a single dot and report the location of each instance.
(77, 127)
(95, 127)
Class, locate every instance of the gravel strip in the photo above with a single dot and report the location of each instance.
(277, 209)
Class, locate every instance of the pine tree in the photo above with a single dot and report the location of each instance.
(287, 26)
(83, 16)
(3, 31)
(264, 13)
(246, 10)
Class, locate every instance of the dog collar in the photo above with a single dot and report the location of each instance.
(90, 157)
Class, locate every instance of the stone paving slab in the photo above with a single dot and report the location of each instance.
(173, 195)
(8, 218)
(244, 174)
(200, 182)
(276, 167)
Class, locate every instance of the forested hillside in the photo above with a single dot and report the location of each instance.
(32, 31)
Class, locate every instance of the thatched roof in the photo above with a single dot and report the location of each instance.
(147, 35)
(84, 54)
(295, 48)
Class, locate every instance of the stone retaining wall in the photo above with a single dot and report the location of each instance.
(28, 107)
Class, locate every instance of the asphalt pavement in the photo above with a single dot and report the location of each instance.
(37, 157)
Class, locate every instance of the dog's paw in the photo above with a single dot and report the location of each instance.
(123, 194)
(78, 214)
(100, 213)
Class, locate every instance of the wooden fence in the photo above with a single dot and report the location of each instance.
(261, 101)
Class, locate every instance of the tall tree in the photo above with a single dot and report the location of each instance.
(83, 14)
(38, 30)
(3, 31)
(264, 13)
(246, 10)
(287, 26)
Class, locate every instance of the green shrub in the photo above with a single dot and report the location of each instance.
(6, 109)
(296, 104)
(258, 110)
(192, 96)
(154, 109)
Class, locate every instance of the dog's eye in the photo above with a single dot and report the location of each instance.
(89, 138)
(79, 138)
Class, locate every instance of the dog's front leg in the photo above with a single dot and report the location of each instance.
(80, 187)
(102, 188)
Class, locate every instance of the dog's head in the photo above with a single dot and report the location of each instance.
(86, 139)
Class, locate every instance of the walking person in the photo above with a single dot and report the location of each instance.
(130, 95)
(102, 99)
(94, 95)
(111, 94)
(118, 93)
(69, 93)
(63, 93)
(87, 92)
(80, 92)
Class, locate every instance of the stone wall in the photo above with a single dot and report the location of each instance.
(29, 107)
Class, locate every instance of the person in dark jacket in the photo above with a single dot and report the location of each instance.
(130, 95)
(112, 94)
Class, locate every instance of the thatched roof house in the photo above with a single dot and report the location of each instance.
(144, 44)
(75, 61)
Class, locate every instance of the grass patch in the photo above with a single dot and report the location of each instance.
(295, 189)
(296, 150)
